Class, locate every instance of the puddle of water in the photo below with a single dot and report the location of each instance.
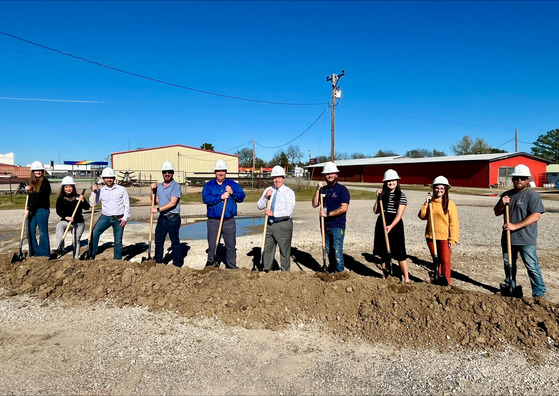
(7, 236)
(199, 230)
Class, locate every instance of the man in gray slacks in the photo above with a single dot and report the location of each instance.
(280, 224)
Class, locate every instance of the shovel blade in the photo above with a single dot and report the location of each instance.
(324, 260)
(86, 255)
(388, 264)
(508, 291)
(56, 254)
(18, 257)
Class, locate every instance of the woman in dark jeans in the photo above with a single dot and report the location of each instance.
(38, 211)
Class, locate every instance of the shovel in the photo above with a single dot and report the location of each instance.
(154, 191)
(510, 289)
(388, 259)
(19, 257)
(58, 252)
(88, 253)
(435, 254)
(216, 259)
(260, 266)
(324, 252)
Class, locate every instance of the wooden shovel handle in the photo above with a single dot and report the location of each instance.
(322, 220)
(73, 214)
(220, 225)
(151, 214)
(509, 248)
(265, 225)
(92, 217)
(24, 217)
(432, 228)
(384, 225)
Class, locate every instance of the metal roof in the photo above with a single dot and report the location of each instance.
(407, 160)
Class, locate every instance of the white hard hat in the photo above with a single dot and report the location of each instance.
(108, 172)
(68, 181)
(330, 167)
(441, 180)
(278, 171)
(390, 174)
(220, 165)
(167, 166)
(521, 170)
(37, 165)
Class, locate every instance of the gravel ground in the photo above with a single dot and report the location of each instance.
(52, 349)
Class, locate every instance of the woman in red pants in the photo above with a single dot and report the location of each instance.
(445, 220)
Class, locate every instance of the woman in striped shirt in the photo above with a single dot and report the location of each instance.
(394, 203)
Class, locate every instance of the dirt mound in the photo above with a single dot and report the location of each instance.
(346, 304)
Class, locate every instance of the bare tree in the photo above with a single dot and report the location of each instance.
(294, 155)
(387, 153)
(467, 145)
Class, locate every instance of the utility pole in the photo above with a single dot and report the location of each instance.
(516, 140)
(336, 93)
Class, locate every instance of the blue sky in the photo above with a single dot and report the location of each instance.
(417, 75)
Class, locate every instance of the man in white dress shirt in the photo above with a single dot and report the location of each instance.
(115, 211)
(280, 224)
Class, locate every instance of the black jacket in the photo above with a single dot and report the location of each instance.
(65, 205)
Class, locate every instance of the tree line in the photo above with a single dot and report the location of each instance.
(546, 147)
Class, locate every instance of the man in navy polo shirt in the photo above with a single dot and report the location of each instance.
(336, 204)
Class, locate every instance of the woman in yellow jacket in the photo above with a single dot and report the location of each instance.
(445, 219)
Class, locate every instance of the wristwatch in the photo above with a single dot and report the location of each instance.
(158, 209)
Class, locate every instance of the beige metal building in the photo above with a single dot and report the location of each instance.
(145, 164)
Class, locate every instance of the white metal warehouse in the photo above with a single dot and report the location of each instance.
(146, 163)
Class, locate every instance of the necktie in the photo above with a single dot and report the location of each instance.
(273, 205)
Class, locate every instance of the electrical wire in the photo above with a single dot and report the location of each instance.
(234, 148)
(298, 136)
(508, 141)
(157, 80)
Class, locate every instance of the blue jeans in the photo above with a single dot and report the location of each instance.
(101, 226)
(530, 259)
(40, 220)
(168, 225)
(335, 248)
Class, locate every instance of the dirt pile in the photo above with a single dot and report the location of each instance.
(348, 305)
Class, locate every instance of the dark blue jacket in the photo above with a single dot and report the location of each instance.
(211, 195)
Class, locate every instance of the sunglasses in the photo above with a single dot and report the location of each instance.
(167, 172)
(523, 178)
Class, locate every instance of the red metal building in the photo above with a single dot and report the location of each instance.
(477, 170)
(14, 174)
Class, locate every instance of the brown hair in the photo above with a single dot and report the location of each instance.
(445, 196)
(35, 182)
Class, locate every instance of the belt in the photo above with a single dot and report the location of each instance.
(278, 219)
(120, 216)
(219, 218)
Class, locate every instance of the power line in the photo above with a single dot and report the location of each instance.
(234, 148)
(157, 80)
(298, 136)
